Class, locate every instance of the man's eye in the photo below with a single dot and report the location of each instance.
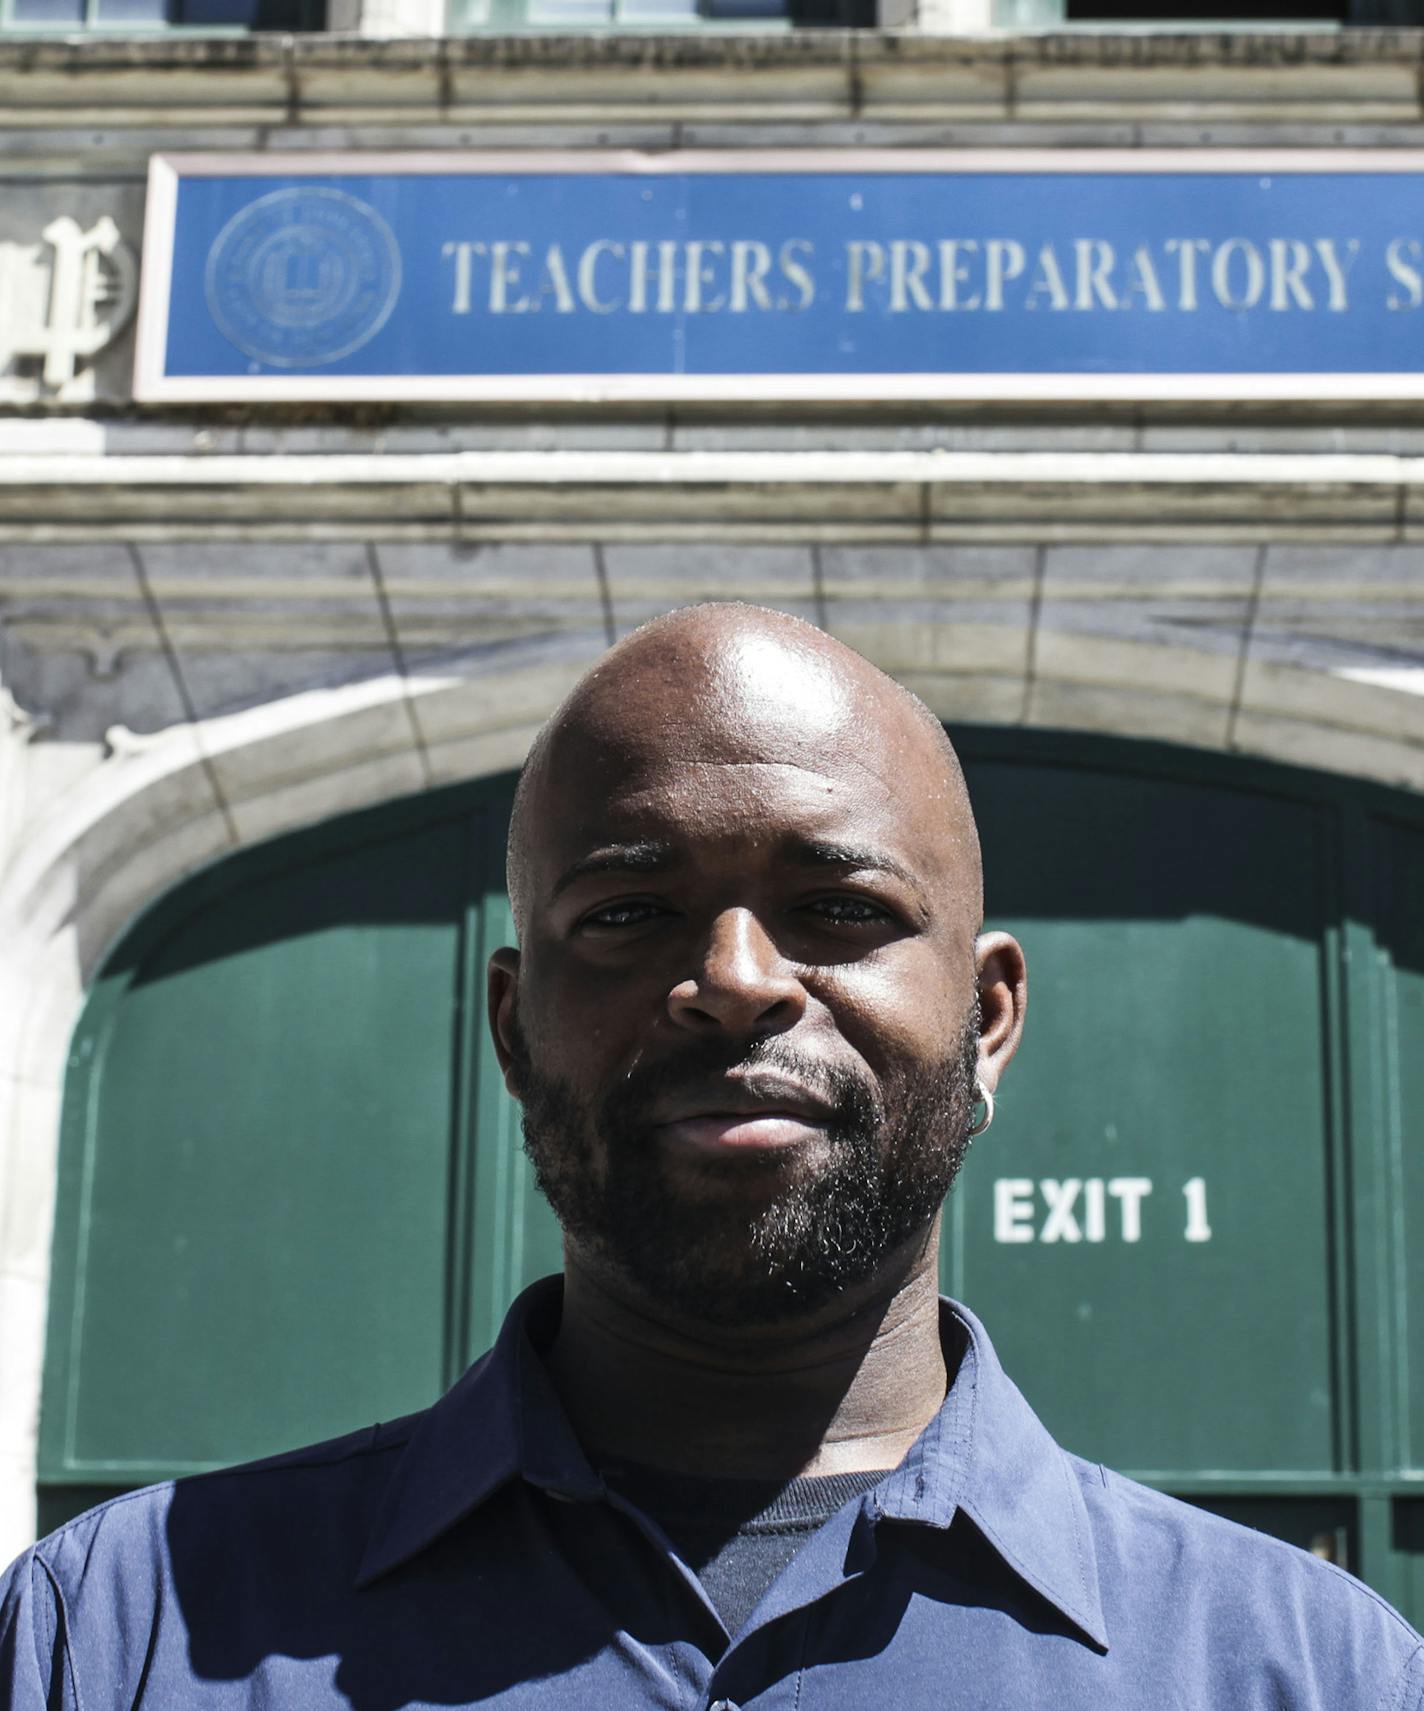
(621, 915)
(848, 911)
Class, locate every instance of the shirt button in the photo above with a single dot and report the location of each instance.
(723, 1705)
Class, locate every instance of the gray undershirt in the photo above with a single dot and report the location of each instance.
(736, 1535)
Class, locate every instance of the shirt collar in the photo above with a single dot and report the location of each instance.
(501, 1421)
(987, 1455)
(984, 1453)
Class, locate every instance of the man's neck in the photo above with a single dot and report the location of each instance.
(845, 1392)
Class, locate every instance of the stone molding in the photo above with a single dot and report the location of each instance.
(1310, 77)
(728, 496)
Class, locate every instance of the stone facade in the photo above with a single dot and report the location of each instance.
(219, 624)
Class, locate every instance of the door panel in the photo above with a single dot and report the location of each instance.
(1145, 1228)
(1402, 965)
(254, 1247)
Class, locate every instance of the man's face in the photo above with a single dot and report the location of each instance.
(745, 1026)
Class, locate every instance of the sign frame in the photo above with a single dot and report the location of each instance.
(151, 384)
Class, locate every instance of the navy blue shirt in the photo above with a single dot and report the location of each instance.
(471, 1556)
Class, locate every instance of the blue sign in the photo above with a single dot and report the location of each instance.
(815, 275)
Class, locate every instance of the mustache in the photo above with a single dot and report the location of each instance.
(850, 1098)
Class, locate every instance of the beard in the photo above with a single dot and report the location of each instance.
(763, 1239)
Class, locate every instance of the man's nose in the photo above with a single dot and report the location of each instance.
(742, 982)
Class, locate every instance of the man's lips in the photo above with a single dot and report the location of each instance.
(742, 1114)
(727, 1132)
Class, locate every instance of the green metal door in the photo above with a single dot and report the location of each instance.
(274, 1221)
(1154, 1200)
(292, 1198)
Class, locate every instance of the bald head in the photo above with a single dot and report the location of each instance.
(751, 1005)
(723, 685)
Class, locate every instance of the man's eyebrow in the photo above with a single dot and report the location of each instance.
(616, 858)
(818, 853)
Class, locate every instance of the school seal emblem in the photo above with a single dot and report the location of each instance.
(303, 276)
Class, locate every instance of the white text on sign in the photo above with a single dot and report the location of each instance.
(939, 275)
(1086, 1209)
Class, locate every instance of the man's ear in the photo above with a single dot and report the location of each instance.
(1003, 999)
(501, 1005)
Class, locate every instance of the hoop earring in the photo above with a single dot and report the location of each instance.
(986, 1099)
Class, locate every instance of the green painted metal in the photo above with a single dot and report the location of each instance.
(255, 1229)
(1401, 1125)
(292, 1196)
(1155, 1196)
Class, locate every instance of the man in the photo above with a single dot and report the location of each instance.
(742, 1455)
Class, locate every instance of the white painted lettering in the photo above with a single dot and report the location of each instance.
(700, 274)
(1290, 261)
(1095, 262)
(1186, 251)
(1047, 279)
(1059, 1197)
(665, 272)
(1013, 1209)
(588, 276)
(953, 273)
(1003, 260)
(1142, 281)
(865, 260)
(555, 281)
(1336, 271)
(1094, 1210)
(1252, 269)
(504, 278)
(751, 262)
(1130, 1191)
(463, 254)
(1198, 1230)
(909, 263)
(794, 271)
(1405, 272)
